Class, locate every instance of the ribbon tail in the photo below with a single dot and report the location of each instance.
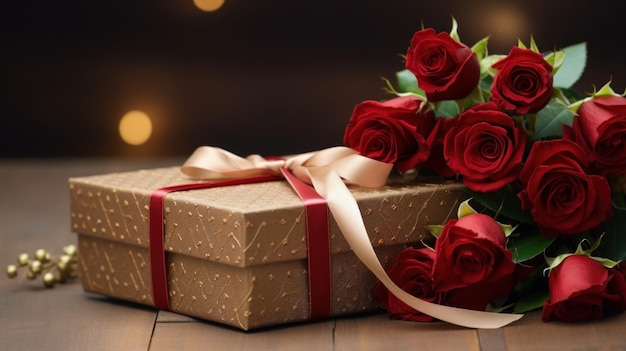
(346, 212)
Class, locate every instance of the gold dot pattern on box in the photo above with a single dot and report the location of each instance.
(237, 255)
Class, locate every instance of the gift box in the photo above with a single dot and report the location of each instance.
(237, 254)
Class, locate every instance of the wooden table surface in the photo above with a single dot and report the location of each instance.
(34, 213)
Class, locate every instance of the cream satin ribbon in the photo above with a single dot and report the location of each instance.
(329, 170)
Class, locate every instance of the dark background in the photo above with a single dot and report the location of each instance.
(256, 76)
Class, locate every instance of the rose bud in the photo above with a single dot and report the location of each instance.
(581, 288)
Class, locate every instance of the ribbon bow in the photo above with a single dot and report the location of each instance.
(329, 170)
(214, 163)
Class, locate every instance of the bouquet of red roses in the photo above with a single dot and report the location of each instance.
(545, 166)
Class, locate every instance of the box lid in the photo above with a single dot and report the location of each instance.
(246, 224)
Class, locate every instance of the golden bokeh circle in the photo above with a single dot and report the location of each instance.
(135, 127)
(208, 5)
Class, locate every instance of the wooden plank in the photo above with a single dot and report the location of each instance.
(531, 334)
(378, 332)
(65, 318)
(491, 340)
(200, 335)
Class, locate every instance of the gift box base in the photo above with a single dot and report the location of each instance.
(245, 298)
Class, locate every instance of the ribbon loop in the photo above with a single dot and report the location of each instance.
(212, 163)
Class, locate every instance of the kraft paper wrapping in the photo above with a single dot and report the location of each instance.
(237, 255)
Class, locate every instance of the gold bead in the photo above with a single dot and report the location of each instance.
(49, 280)
(53, 269)
(36, 267)
(22, 259)
(65, 259)
(42, 256)
(30, 275)
(12, 271)
(70, 250)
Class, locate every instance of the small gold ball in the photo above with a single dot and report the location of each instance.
(12, 271)
(70, 250)
(42, 255)
(30, 275)
(36, 267)
(49, 280)
(22, 259)
(62, 266)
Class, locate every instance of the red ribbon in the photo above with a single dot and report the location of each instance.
(318, 246)
(318, 239)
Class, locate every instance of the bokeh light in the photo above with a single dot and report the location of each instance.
(503, 22)
(135, 127)
(208, 5)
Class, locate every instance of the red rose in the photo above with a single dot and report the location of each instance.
(523, 83)
(412, 271)
(395, 131)
(445, 69)
(561, 196)
(486, 147)
(472, 265)
(600, 128)
(581, 288)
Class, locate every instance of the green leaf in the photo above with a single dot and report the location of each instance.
(608, 263)
(533, 291)
(533, 44)
(527, 245)
(454, 32)
(486, 64)
(446, 109)
(480, 48)
(605, 90)
(475, 97)
(573, 66)
(435, 229)
(504, 202)
(485, 84)
(571, 95)
(465, 209)
(507, 228)
(550, 121)
(407, 82)
(533, 300)
(613, 245)
(555, 59)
